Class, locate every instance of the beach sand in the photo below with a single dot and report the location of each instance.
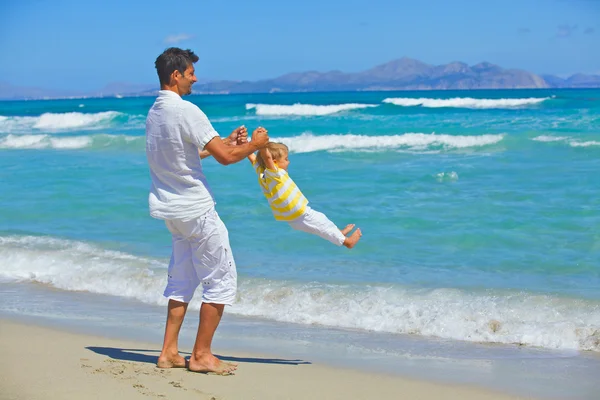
(47, 363)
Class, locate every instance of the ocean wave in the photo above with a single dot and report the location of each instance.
(56, 122)
(576, 143)
(304, 109)
(77, 266)
(546, 138)
(306, 143)
(489, 317)
(465, 102)
(485, 316)
(45, 141)
(451, 176)
(568, 140)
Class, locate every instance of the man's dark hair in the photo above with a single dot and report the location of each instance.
(173, 59)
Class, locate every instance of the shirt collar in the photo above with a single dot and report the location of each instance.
(168, 93)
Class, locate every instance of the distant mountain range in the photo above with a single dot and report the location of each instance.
(402, 74)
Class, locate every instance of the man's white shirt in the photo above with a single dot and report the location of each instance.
(175, 130)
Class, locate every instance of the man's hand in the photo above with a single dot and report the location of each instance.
(260, 137)
(238, 136)
(242, 137)
(226, 154)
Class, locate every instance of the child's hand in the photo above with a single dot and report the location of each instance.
(260, 137)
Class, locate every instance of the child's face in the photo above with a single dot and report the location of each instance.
(283, 162)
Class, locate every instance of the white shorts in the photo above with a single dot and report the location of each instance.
(318, 224)
(201, 254)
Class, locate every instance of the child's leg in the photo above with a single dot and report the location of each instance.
(318, 224)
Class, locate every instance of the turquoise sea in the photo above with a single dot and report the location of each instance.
(480, 213)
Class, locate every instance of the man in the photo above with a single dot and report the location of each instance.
(176, 132)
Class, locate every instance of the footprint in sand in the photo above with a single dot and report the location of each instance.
(141, 376)
(177, 385)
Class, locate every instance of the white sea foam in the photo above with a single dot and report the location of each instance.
(304, 109)
(307, 142)
(46, 141)
(52, 122)
(546, 138)
(567, 140)
(77, 266)
(464, 102)
(576, 143)
(486, 316)
(491, 317)
(71, 142)
(451, 176)
(17, 124)
(24, 142)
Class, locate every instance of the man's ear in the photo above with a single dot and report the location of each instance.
(175, 75)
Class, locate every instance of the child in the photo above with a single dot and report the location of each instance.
(287, 202)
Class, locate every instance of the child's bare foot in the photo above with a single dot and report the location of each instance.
(347, 229)
(351, 240)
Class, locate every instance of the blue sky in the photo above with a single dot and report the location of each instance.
(86, 44)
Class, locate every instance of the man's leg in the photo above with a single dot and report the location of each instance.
(181, 284)
(169, 355)
(215, 268)
(202, 359)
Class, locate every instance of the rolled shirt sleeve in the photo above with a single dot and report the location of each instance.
(197, 129)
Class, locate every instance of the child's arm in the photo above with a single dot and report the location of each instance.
(266, 156)
(252, 158)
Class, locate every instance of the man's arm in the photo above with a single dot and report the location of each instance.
(231, 154)
(238, 136)
(242, 139)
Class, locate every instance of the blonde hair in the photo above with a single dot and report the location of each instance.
(277, 151)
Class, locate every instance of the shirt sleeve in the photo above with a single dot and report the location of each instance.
(196, 128)
(257, 167)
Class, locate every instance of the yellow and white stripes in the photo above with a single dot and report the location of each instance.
(286, 200)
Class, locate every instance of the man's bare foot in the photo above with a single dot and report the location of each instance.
(347, 229)
(171, 362)
(209, 364)
(351, 240)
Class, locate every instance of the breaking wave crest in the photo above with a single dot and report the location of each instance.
(46, 141)
(465, 102)
(58, 122)
(304, 109)
(411, 141)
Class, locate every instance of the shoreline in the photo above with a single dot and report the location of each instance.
(100, 367)
(504, 369)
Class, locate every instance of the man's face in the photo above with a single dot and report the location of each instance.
(186, 80)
